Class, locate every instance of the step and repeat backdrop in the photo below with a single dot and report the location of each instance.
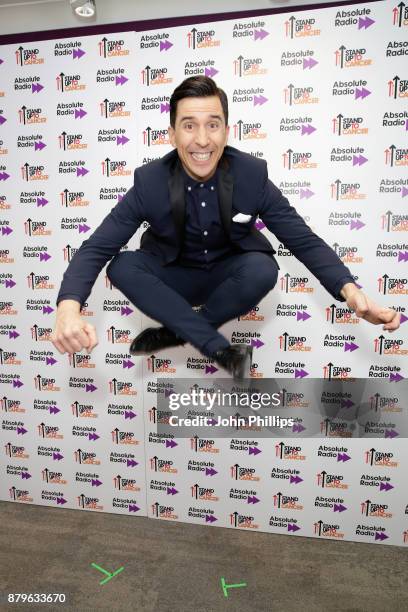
(321, 95)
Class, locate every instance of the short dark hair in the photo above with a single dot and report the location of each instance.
(197, 86)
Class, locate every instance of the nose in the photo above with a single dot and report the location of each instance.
(202, 136)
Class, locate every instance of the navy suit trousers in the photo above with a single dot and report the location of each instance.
(226, 289)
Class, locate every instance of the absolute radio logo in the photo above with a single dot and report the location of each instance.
(33, 140)
(111, 109)
(357, 89)
(399, 250)
(112, 168)
(295, 284)
(30, 116)
(28, 57)
(69, 142)
(33, 173)
(396, 157)
(246, 66)
(389, 346)
(350, 58)
(157, 103)
(381, 429)
(71, 108)
(112, 75)
(299, 28)
(31, 83)
(120, 387)
(166, 486)
(296, 160)
(400, 15)
(252, 94)
(346, 191)
(397, 47)
(36, 228)
(73, 47)
(354, 154)
(153, 137)
(69, 82)
(299, 58)
(287, 342)
(253, 29)
(347, 254)
(333, 372)
(397, 88)
(392, 222)
(70, 199)
(347, 342)
(112, 48)
(205, 67)
(155, 76)
(289, 452)
(162, 465)
(352, 17)
(380, 482)
(392, 286)
(202, 39)
(159, 39)
(167, 512)
(377, 458)
(348, 126)
(299, 95)
(249, 131)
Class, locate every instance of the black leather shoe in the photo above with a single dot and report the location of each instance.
(236, 359)
(154, 339)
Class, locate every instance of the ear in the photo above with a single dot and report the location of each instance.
(172, 136)
(227, 131)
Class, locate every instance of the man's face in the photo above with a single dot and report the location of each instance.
(199, 135)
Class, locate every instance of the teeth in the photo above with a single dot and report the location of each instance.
(201, 156)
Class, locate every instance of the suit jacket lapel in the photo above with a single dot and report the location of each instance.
(225, 189)
(177, 199)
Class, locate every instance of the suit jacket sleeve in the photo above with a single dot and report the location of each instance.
(288, 226)
(106, 241)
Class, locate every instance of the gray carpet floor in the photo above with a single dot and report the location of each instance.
(177, 567)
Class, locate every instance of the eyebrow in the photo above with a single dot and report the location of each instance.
(192, 118)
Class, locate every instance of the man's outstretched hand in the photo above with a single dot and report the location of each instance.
(71, 333)
(367, 309)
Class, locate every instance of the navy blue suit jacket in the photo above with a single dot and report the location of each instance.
(158, 197)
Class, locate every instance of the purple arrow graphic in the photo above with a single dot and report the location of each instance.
(17, 383)
(9, 284)
(395, 377)
(379, 535)
(302, 315)
(212, 421)
(298, 428)
(50, 361)
(253, 450)
(165, 108)
(25, 475)
(77, 54)
(61, 500)
(295, 480)
(133, 508)
(365, 22)
(127, 363)
(44, 257)
(210, 72)
(41, 201)
(4, 176)
(54, 410)
(252, 499)
(83, 228)
(257, 343)
(165, 46)
(171, 491)
(402, 256)
(259, 100)
(301, 373)
(131, 463)
(93, 436)
(356, 224)
(47, 310)
(306, 193)
(359, 160)
(260, 34)
(96, 483)
(209, 518)
(403, 319)
(259, 224)
(13, 334)
(339, 508)
(210, 369)
(361, 93)
(2, 120)
(347, 403)
(121, 140)
(343, 457)
(90, 388)
(210, 472)
(385, 486)
(171, 444)
(309, 63)
(350, 346)
(293, 527)
(81, 171)
(36, 87)
(121, 80)
(125, 310)
(406, 128)
(129, 414)
(6, 230)
(57, 456)
(307, 129)
(168, 392)
(79, 113)
(391, 433)
(21, 430)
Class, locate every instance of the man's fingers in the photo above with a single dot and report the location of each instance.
(360, 305)
(92, 338)
(394, 323)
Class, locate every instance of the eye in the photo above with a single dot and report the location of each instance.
(188, 126)
(214, 125)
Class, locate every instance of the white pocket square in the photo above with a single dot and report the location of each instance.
(241, 218)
